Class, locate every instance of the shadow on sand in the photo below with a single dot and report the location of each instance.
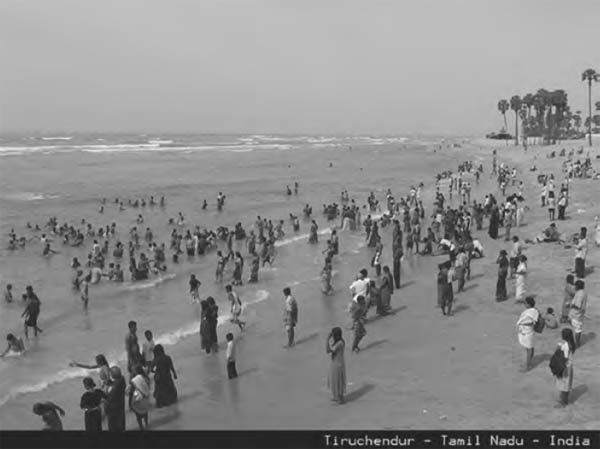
(391, 312)
(586, 338)
(248, 371)
(577, 392)
(469, 287)
(459, 308)
(476, 276)
(166, 419)
(358, 393)
(307, 338)
(539, 359)
(373, 344)
(407, 284)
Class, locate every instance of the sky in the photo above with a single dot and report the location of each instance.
(287, 66)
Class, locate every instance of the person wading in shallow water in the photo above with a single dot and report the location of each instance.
(290, 317)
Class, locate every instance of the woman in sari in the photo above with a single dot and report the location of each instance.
(313, 236)
(373, 238)
(385, 292)
(521, 289)
(337, 369)
(205, 327)
(564, 383)
(326, 288)
(165, 392)
(502, 262)
(139, 396)
(213, 316)
(494, 223)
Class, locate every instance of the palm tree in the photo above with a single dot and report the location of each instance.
(541, 102)
(590, 75)
(515, 105)
(503, 107)
(524, 127)
(558, 99)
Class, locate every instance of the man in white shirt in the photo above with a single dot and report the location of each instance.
(360, 287)
(580, 253)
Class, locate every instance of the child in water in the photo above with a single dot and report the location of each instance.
(15, 345)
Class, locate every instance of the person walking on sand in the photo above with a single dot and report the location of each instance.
(236, 306)
(521, 289)
(567, 298)
(336, 381)
(581, 253)
(502, 262)
(564, 381)
(358, 312)
(577, 310)
(290, 317)
(525, 329)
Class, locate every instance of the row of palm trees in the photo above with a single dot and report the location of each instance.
(546, 115)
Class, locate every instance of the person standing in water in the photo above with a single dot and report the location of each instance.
(84, 289)
(194, 289)
(132, 347)
(290, 315)
(91, 403)
(31, 312)
(236, 306)
(231, 368)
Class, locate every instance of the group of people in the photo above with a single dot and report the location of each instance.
(450, 233)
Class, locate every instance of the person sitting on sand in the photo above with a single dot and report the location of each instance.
(15, 345)
(550, 234)
(550, 319)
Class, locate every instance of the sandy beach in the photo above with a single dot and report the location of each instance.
(418, 369)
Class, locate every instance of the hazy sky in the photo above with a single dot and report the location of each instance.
(318, 66)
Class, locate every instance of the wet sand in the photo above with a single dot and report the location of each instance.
(418, 369)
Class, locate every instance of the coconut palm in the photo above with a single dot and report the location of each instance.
(515, 105)
(503, 107)
(590, 75)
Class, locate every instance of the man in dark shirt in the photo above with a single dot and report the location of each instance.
(115, 404)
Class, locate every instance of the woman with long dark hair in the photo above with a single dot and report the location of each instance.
(337, 369)
(564, 383)
(165, 392)
(502, 262)
(212, 316)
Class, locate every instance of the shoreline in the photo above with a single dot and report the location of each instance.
(394, 382)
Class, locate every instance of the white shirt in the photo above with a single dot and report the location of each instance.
(230, 351)
(359, 287)
(581, 251)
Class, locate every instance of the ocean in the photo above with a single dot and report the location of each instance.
(66, 176)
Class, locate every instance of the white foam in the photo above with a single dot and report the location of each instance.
(167, 339)
(29, 196)
(56, 138)
(137, 285)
